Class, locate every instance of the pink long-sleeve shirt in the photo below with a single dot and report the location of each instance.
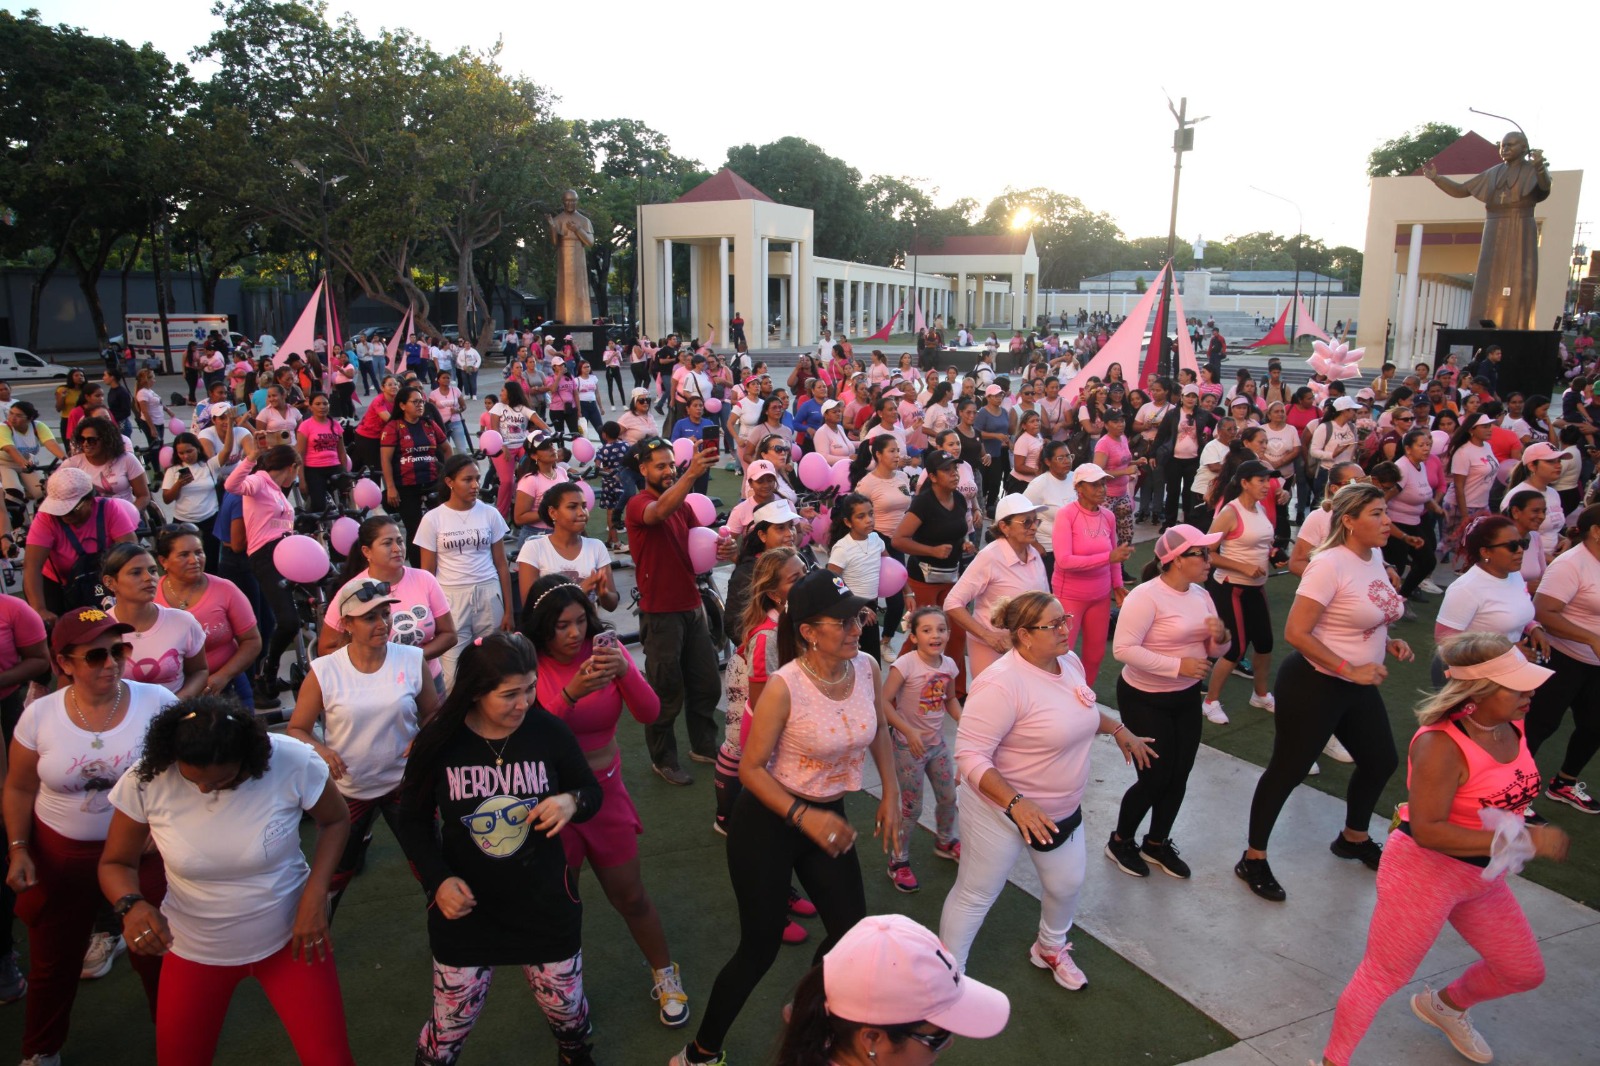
(267, 512)
(1031, 726)
(997, 573)
(1083, 542)
(1157, 629)
(594, 720)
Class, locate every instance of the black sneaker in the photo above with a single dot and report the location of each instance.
(1533, 817)
(672, 775)
(1242, 668)
(1125, 853)
(1258, 875)
(1165, 855)
(1369, 851)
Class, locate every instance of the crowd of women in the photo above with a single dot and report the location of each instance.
(477, 714)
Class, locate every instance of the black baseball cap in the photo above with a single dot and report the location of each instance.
(823, 594)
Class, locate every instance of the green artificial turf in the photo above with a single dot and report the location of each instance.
(1249, 732)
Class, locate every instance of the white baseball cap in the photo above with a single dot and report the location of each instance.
(1088, 472)
(1345, 403)
(777, 512)
(1016, 503)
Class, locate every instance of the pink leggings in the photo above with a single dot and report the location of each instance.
(1093, 619)
(1418, 891)
(505, 465)
(194, 1000)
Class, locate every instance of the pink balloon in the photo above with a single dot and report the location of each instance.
(164, 457)
(343, 534)
(176, 425)
(491, 442)
(587, 493)
(841, 474)
(366, 494)
(815, 473)
(820, 526)
(301, 560)
(713, 405)
(582, 449)
(682, 451)
(702, 549)
(891, 576)
(705, 512)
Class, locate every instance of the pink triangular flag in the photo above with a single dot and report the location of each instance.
(1308, 322)
(1186, 359)
(1125, 346)
(392, 351)
(302, 338)
(922, 323)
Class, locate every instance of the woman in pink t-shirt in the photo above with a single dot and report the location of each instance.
(320, 441)
(167, 646)
(1113, 455)
(1339, 629)
(1022, 751)
(232, 640)
(1088, 564)
(1471, 466)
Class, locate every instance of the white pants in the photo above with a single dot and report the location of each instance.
(990, 844)
(476, 610)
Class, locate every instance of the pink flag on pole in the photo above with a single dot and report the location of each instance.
(302, 337)
(392, 352)
(1186, 359)
(922, 323)
(888, 327)
(1308, 323)
(1125, 346)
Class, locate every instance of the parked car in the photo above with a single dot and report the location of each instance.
(20, 364)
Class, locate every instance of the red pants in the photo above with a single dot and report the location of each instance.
(194, 1001)
(933, 596)
(59, 912)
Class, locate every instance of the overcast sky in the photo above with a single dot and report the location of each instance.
(970, 98)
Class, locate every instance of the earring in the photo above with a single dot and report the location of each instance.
(1470, 708)
(873, 1055)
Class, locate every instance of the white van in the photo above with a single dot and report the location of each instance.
(19, 364)
(143, 332)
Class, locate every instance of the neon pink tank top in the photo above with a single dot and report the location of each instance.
(1510, 786)
(824, 744)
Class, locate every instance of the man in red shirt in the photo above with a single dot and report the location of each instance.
(679, 657)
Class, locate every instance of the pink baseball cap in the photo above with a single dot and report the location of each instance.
(1180, 538)
(888, 970)
(1534, 452)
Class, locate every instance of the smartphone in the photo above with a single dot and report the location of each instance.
(708, 439)
(240, 410)
(186, 474)
(607, 638)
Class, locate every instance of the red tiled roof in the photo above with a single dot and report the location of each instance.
(723, 185)
(1005, 244)
(1471, 154)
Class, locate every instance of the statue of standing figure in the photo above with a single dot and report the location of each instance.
(572, 233)
(1508, 259)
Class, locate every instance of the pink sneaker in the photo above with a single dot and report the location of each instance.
(1060, 965)
(900, 873)
(794, 933)
(799, 905)
(951, 851)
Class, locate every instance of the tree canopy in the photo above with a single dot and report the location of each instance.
(1407, 152)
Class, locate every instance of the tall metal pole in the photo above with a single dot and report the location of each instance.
(1182, 138)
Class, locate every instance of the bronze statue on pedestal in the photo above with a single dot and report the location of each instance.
(572, 233)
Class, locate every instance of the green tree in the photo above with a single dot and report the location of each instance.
(1406, 153)
(1073, 242)
(796, 172)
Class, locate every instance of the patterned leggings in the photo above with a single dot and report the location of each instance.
(1122, 508)
(459, 993)
(940, 769)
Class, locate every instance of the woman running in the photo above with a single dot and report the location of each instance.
(1241, 565)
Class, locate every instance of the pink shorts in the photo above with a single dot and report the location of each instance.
(611, 837)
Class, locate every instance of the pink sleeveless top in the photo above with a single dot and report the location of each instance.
(824, 744)
(1510, 786)
(1250, 541)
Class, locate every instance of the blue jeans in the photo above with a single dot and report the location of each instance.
(371, 376)
(458, 435)
(468, 381)
(591, 414)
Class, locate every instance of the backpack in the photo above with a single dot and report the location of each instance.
(83, 586)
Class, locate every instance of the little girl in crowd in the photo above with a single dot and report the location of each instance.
(856, 554)
(917, 693)
(609, 464)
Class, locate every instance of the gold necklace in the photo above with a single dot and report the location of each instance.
(499, 756)
(116, 705)
(182, 605)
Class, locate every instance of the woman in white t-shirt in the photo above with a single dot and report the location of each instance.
(221, 800)
(1339, 629)
(1471, 466)
(1538, 469)
(830, 440)
(589, 396)
(566, 550)
(421, 619)
(69, 749)
(371, 696)
(511, 418)
(152, 412)
(167, 647)
(1491, 597)
(1568, 606)
(463, 545)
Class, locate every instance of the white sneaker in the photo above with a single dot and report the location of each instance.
(42, 1060)
(1427, 585)
(1060, 965)
(1454, 1024)
(668, 992)
(103, 951)
(1213, 711)
(1336, 751)
(1266, 703)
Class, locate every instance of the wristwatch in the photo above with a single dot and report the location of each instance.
(125, 904)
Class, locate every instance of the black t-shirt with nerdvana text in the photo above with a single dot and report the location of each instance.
(527, 904)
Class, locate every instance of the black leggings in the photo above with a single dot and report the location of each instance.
(1243, 609)
(280, 601)
(615, 393)
(994, 476)
(1576, 685)
(1180, 475)
(1173, 719)
(316, 482)
(1313, 706)
(410, 514)
(1413, 564)
(764, 853)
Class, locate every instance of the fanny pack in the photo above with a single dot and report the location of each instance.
(940, 575)
(1065, 827)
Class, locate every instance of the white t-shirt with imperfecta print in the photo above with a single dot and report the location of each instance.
(1358, 604)
(463, 542)
(75, 776)
(158, 653)
(233, 860)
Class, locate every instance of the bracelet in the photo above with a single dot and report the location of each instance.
(1014, 801)
(15, 844)
(564, 695)
(1344, 664)
(1120, 727)
(793, 807)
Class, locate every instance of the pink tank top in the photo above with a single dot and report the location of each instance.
(1511, 786)
(824, 744)
(1250, 541)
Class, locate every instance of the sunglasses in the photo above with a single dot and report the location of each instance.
(859, 619)
(1519, 545)
(371, 590)
(936, 1041)
(95, 658)
(1196, 553)
(88, 440)
(1058, 625)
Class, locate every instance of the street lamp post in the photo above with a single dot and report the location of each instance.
(323, 185)
(1182, 141)
(1299, 239)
